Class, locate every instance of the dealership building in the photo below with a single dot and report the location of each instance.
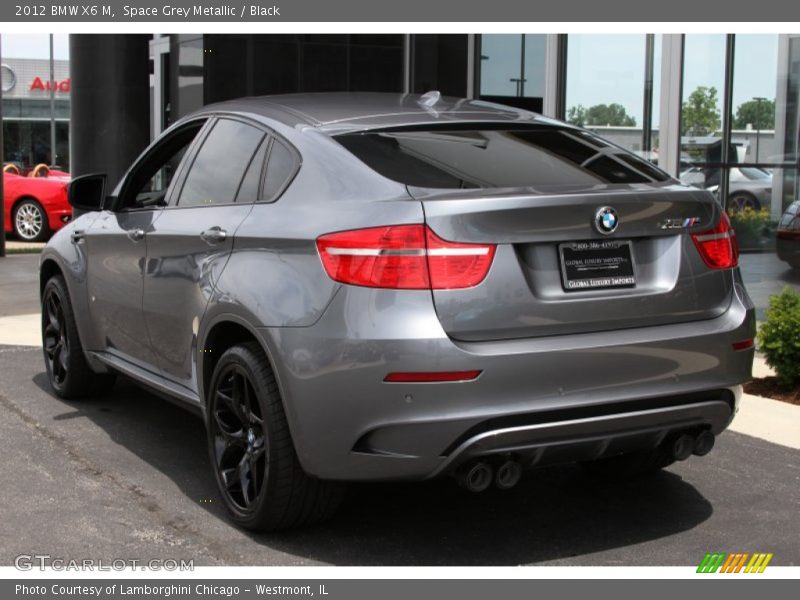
(645, 92)
(27, 111)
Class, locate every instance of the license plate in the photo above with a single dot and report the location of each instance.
(596, 265)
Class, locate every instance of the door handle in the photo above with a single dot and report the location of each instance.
(77, 236)
(214, 235)
(136, 235)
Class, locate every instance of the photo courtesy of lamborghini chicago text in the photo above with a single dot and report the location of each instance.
(364, 299)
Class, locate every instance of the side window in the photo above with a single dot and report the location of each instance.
(248, 191)
(280, 168)
(149, 181)
(220, 164)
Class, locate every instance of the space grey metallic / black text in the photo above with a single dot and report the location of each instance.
(364, 287)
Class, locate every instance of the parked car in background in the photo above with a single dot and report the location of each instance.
(372, 287)
(788, 235)
(35, 203)
(749, 187)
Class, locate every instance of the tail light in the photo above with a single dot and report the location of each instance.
(791, 231)
(410, 257)
(718, 247)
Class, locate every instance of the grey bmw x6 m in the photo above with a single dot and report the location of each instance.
(372, 287)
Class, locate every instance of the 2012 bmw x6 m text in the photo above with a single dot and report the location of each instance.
(395, 287)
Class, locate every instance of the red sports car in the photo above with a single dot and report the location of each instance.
(35, 205)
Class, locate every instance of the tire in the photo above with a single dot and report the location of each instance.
(738, 201)
(30, 221)
(259, 476)
(629, 466)
(69, 374)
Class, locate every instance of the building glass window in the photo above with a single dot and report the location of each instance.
(701, 110)
(751, 165)
(512, 69)
(255, 65)
(606, 88)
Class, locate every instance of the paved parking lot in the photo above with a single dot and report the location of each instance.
(127, 477)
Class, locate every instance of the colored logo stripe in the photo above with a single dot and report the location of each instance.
(734, 562)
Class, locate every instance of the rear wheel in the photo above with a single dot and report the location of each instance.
(628, 466)
(69, 374)
(30, 221)
(739, 201)
(251, 449)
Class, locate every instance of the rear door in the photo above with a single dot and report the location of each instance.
(189, 245)
(589, 237)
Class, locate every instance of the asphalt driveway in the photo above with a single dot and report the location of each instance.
(128, 477)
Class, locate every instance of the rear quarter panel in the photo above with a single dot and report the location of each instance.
(274, 277)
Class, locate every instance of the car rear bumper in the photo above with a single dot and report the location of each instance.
(553, 399)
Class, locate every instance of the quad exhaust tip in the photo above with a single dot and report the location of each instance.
(508, 475)
(477, 476)
(703, 443)
(687, 444)
(683, 446)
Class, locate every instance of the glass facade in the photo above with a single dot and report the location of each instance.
(737, 120)
(605, 87)
(513, 69)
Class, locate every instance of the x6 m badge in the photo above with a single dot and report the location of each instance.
(679, 223)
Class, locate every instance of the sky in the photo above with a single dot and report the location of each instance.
(15, 45)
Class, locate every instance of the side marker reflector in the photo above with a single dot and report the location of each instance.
(432, 377)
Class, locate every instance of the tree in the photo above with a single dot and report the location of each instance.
(613, 115)
(700, 112)
(577, 115)
(759, 113)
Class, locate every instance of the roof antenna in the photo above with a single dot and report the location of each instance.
(429, 99)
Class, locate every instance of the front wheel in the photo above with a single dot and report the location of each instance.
(69, 374)
(30, 222)
(257, 470)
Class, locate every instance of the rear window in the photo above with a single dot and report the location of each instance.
(493, 157)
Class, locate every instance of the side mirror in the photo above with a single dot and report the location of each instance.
(87, 192)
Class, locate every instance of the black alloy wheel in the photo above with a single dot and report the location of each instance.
(64, 360)
(262, 483)
(241, 453)
(54, 338)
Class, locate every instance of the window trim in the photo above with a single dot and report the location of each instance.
(271, 136)
(172, 201)
(266, 142)
(147, 155)
(298, 162)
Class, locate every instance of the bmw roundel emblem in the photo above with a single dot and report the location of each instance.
(605, 220)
